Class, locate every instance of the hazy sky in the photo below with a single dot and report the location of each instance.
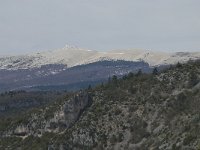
(32, 25)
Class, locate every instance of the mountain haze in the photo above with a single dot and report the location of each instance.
(73, 56)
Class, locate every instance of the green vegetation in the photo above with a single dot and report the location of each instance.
(138, 111)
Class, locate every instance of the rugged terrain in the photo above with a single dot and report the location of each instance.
(73, 68)
(72, 56)
(138, 111)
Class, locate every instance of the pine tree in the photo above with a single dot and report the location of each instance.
(193, 79)
(114, 80)
(178, 65)
(130, 75)
(155, 71)
(89, 87)
(139, 72)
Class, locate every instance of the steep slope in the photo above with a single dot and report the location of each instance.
(139, 111)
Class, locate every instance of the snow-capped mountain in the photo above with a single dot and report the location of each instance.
(72, 68)
(73, 56)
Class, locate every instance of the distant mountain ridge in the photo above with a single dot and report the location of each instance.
(73, 56)
(54, 77)
(72, 68)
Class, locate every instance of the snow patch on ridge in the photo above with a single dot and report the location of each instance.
(72, 56)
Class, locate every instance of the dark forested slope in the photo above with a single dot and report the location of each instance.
(138, 111)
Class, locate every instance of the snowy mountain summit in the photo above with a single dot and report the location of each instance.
(72, 56)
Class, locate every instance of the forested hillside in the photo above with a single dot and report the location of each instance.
(138, 111)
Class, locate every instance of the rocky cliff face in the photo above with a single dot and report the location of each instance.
(69, 113)
(61, 119)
